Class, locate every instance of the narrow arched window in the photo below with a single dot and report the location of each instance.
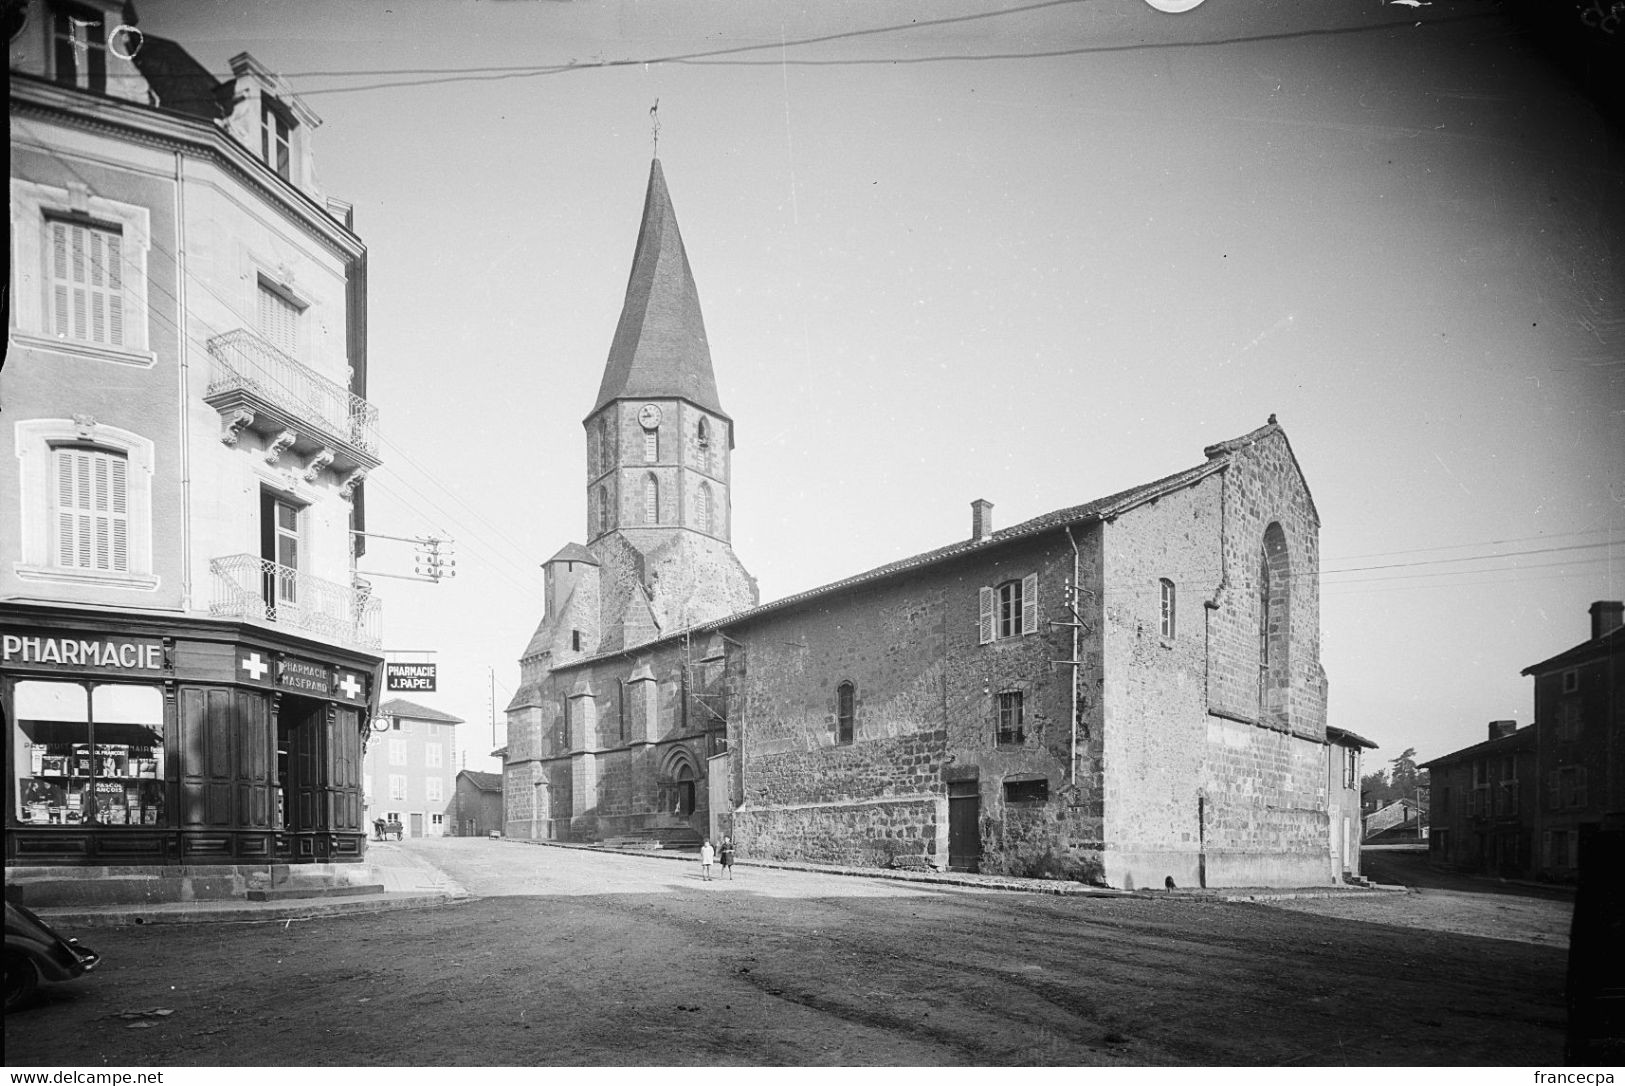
(702, 509)
(1167, 608)
(606, 445)
(1274, 623)
(603, 510)
(651, 500)
(845, 711)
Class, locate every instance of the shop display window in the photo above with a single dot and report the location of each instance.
(89, 753)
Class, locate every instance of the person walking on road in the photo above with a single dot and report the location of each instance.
(706, 855)
(727, 855)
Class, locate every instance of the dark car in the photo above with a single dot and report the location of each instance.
(35, 952)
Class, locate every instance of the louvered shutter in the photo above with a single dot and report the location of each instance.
(1029, 603)
(985, 625)
(702, 509)
(651, 501)
(92, 511)
(87, 283)
(278, 321)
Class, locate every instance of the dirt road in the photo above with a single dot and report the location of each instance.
(582, 958)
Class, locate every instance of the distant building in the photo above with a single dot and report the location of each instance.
(1483, 803)
(1580, 713)
(1514, 805)
(476, 805)
(1124, 691)
(187, 652)
(410, 767)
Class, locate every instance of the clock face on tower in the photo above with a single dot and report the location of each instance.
(649, 416)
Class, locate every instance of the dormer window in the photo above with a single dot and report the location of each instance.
(79, 38)
(276, 137)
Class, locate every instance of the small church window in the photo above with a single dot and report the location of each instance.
(575, 640)
(651, 500)
(651, 445)
(703, 433)
(603, 510)
(1167, 608)
(702, 509)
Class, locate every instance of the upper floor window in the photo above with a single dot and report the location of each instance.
(1012, 725)
(397, 752)
(85, 503)
(79, 40)
(276, 137)
(431, 756)
(431, 790)
(279, 318)
(845, 712)
(91, 516)
(651, 445)
(397, 787)
(1167, 596)
(1009, 610)
(80, 271)
(85, 264)
(1571, 680)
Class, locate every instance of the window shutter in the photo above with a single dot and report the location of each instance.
(115, 290)
(985, 626)
(1580, 787)
(66, 522)
(1029, 603)
(1553, 800)
(61, 280)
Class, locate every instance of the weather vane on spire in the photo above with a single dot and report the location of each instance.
(654, 123)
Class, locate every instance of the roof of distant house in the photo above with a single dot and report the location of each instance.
(411, 710)
(485, 782)
(1612, 641)
(1343, 735)
(1524, 736)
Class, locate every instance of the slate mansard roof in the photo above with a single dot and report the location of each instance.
(660, 349)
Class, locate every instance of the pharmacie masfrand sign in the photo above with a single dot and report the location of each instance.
(54, 651)
(419, 677)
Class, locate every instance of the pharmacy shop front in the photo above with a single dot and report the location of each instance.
(138, 741)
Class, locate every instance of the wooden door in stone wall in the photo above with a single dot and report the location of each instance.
(344, 771)
(964, 825)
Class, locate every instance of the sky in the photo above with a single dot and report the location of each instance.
(1029, 252)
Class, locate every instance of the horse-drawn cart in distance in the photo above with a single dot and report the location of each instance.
(383, 831)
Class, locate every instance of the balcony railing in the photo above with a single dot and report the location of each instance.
(242, 361)
(246, 586)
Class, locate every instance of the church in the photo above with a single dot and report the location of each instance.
(1124, 692)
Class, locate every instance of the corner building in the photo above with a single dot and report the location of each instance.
(1125, 691)
(188, 659)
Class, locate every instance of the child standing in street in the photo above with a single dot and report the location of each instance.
(706, 855)
(727, 855)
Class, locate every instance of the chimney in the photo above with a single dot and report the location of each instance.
(1499, 728)
(981, 523)
(1605, 617)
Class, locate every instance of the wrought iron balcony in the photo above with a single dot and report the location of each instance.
(256, 387)
(247, 586)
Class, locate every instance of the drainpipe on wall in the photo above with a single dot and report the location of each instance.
(184, 376)
(1072, 768)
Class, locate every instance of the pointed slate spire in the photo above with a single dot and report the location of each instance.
(660, 349)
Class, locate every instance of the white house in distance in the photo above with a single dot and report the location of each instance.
(410, 768)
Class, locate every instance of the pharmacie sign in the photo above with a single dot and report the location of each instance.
(420, 677)
(123, 654)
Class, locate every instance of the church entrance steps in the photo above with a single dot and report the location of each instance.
(656, 839)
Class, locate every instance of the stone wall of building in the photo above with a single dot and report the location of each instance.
(1262, 486)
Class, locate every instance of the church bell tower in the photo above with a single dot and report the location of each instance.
(659, 451)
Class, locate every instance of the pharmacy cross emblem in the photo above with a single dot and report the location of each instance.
(255, 667)
(351, 688)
